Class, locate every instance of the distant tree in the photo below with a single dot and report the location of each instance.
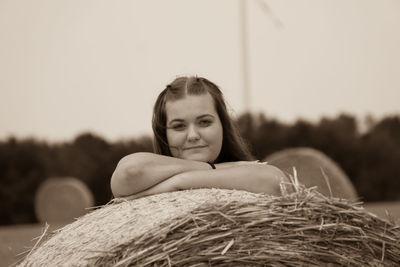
(339, 138)
(21, 171)
(25, 164)
(301, 134)
(379, 171)
(370, 158)
(270, 137)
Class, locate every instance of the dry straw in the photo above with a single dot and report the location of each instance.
(211, 227)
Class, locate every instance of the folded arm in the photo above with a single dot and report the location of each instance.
(140, 171)
(257, 178)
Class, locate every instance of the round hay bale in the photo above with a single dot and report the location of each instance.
(314, 168)
(210, 227)
(62, 199)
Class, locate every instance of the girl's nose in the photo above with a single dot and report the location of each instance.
(193, 135)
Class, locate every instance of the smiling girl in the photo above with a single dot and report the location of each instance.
(196, 146)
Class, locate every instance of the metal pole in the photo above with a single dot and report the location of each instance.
(245, 55)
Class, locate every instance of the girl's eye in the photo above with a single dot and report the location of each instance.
(178, 127)
(205, 123)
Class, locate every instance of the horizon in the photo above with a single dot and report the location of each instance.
(362, 124)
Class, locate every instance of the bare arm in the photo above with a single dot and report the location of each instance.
(257, 178)
(140, 171)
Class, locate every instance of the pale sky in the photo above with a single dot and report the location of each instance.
(69, 66)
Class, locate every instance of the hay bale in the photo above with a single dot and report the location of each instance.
(60, 199)
(227, 228)
(313, 167)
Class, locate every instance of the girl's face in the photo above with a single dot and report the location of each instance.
(194, 130)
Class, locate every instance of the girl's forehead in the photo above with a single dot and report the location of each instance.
(190, 106)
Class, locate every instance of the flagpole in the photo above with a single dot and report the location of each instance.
(244, 54)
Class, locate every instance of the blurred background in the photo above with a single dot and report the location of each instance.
(79, 79)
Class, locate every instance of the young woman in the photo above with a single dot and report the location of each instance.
(196, 146)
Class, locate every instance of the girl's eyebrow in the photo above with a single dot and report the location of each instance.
(182, 120)
(204, 115)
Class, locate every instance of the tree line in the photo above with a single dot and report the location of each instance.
(370, 158)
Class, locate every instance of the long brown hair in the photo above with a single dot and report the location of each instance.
(233, 146)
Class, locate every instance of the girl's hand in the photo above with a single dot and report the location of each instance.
(168, 185)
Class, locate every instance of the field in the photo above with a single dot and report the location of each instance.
(16, 241)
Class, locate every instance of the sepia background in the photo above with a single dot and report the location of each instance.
(79, 79)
